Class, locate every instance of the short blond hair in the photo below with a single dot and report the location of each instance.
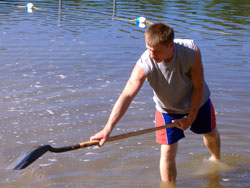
(159, 33)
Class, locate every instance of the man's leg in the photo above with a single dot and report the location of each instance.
(212, 142)
(167, 162)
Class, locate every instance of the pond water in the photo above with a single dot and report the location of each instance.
(64, 64)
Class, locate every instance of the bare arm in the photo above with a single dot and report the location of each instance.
(131, 89)
(197, 75)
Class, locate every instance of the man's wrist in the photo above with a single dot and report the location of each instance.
(191, 118)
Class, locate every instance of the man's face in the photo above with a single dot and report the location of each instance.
(160, 52)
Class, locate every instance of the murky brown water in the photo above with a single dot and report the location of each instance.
(62, 68)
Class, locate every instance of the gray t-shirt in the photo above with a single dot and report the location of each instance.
(171, 82)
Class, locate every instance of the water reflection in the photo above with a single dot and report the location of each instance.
(167, 185)
(222, 12)
(230, 10)
(114, 7)
(213, 180)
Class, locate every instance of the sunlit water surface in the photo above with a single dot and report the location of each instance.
(64, 65)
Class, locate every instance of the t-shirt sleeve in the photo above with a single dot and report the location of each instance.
(145, 63)
(191, 52)
(186, 53)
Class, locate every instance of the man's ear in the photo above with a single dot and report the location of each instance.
(171, 44)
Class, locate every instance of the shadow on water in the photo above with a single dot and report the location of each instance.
(208, 174)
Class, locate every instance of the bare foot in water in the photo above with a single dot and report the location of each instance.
(213, 159)
(212, 165)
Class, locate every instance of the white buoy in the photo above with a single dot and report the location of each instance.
(29, 7)
(141, 25)
(141, 19)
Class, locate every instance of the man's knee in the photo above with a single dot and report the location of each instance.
(212, 135)
(168, 152)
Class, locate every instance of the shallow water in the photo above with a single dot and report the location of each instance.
(64, 65)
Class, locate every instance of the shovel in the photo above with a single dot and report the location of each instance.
(25, 160)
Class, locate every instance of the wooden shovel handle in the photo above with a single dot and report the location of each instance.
(89, 143)
(126, 135)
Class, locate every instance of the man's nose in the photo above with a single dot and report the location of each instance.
(153, 55)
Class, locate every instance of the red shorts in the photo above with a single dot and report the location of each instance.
(205, 122)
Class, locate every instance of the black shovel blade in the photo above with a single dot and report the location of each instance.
(30, 157)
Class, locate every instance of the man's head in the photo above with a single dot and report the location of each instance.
(159, 33)
(159, 42)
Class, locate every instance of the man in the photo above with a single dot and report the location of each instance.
(174, 70)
